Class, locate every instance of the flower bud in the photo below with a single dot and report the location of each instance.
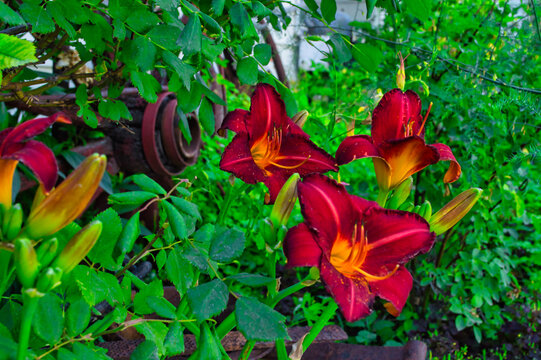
(47, 251)
(7, 170)
(285, 201)
(65, 203)
(426, 210)
(49, 279)
(401, 74)
(26, 262)
(400, 194)
(454, 210)
(78, 247)
(267, 230)
(11, 224)
(300, 118)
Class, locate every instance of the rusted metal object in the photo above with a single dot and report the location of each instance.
(413, 350)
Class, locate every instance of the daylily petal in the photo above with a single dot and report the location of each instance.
(236, 121)
(356, 147)
(7, 169)
(395, 112)
(454, 171)
(27, 130)
(303, 156)
(327, 209)
(406, 157)
(352, 295)
(41, 160)
(393, 237)
(362, 204)
(395, 289)
(274, 183)
(267, 111)
(237, 159)
(301, 248)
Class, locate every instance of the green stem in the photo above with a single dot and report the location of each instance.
(30, 304)
(281, 349)
(327, 314)
(246, 350)
(288, 291)
(382, 197)
(271, 288)
(226, 326)
(229, 197)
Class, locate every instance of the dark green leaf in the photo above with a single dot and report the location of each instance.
(161, 306)
(206, 116)
(176, 220)
(147, 85)
(142, 20)
(227, 244)
(129, 235)
(212, 25)
(263, 53)
(77, 317)
(165, 36)
(368, 56)
(179, 271)
(247, 70)
(370, 4)
(189, 100)
(145, 53)
(131, 198)
(147, 184)
(155, 288)
(240, 18)
(102, 252)
(168, 5)
(218, 6)
(147, 350)
(211, 95)
(328, 10)
(119, 29)
(208, 300)
(57, 12)
(48, 320)
(10, 16)
(15, 51)
(312, 5)
(288, 98)
(64, 354)
(184, 71)
(251, 279)
(89, 351)
(421, 9)
(340, 47)
(38, 17)
(186, 207)
(460, 323)
(257, 321)
(174, 340)
(196, 256)
(190, 38)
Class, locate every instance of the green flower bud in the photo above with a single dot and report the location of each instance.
(49, 279)
(300, 118)
(454, 210)
(426, 210)
(26, 262)
(11, 224)
(285, 202)
(78, 247)
(400, 194)
(47, 252)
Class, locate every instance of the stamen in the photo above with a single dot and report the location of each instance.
(290, 166)
(424, 120)
(369, 276)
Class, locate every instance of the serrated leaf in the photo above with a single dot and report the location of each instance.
(239, 17)
(179, 271)
(186, 207)
(155, 332)
(196, 257)
(312, 5)
(227, 244)
(251, 279)
(165, 36)
(155, 288)
(147, 85)
(263, 53)
(145, 53)
(38, 17)
(340, 47)
(174, 340)
(57, 12)
(89, 351)
(48, 320)
(168, 5)
(206, 116)
(421, 9)
(190, 38)
(189, 100)
(247, 70)
(328, 10)
(184, 71)
(119, 29)
(176, 220)
(15, 51)
(142, 20)
(257, 321)
(131, 198)
(161, 306)
(102, 252)
(77, 317)
(218, 6)
(10, 16)
(368, 56)
(208, 300)
(147, 184)
(147, 350)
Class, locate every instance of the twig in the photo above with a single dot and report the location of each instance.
(16, 30)
(536, 20)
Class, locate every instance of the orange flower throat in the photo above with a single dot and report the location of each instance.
(348, 256)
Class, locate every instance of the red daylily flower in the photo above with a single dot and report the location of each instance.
(269, 147)
(15, 146)
(397, 144)
(359, 247)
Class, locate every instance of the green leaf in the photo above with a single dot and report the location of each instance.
(368, 56)
(89, 351)
(239, 17)
(155, 288)
(15, 51)
(168, 5)
(77, 317)
(184, 71)
(370, 4)
(218, 6)
(263, 53)
(340, 47)
(10, 16)
(147, 184)
(142, 20)
(312, 5)
(421, 9)
(288, 98)
(190, 38)
(148, 86)
(206, 116)
(131, 198)
(328, 10)
(147, 350)
(176, 220)
(179, 271)
(102, 252)
(460, 323)
(251, 279)
(247, 70)
(189, 100)
(208, 300)
(155, 332)
(130, 233)
(227, 244)
(38, 17)
(161, 306)
(174, 340)
(186, 207)
(478, 334)
(58, 13)
(48, 320)
(166, 36)
(212, 25)
(477, 301)
(257, 321)
(145, 53)
(119, 29)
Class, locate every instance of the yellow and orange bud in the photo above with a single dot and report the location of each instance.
(454, 211)
(26, 262)
(7, 170)
(300, 118)
(285, 201)
(401, 74)
(65, 203)
(78, 247)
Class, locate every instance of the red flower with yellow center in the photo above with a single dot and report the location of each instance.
(359, 247)
(397, 144)
(269, 147)
(15, 146)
